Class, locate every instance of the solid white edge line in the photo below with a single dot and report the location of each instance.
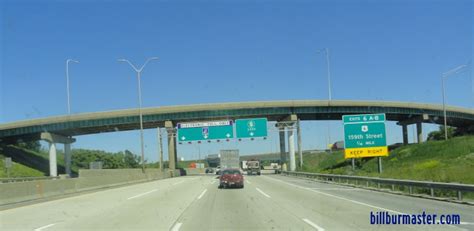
(202, 194)
(176, 227)
(263, 193)
(142, 194)
(248, 182)
(342, 198)
(313, 224)
(44, 227)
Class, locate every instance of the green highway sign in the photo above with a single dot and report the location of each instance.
(248, 128)
(364, 135)
(205, 131)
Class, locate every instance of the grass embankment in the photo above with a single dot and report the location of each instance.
(17, 170)
(27, 163)
(441, 161)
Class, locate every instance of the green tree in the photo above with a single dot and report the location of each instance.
(439, 135)
(131, 160)
(30, 145)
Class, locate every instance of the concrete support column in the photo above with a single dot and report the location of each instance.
(405, 134)
(419, 132)
(172, 154)
(54, 139)
(291, 147)
(53, 167)
(282, 145)
(300, 149)
(67, 158)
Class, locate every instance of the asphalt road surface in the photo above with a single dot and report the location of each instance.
(268, 202)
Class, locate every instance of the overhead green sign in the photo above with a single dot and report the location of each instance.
(364, 135)
(205, 131)
(248, 128)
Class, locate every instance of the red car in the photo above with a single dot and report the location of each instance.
(231, 178)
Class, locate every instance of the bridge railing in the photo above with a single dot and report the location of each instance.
(392, 184)
(22, 179)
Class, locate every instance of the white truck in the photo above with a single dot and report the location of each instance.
(244, 165)
(229, 159)
(253, 167)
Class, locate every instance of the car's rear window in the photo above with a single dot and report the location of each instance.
(231, 172)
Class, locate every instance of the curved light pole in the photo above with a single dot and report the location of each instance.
(67, 84)
(138, 71)
(443, 78)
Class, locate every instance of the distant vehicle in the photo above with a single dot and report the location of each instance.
(253, 167)
(218, 170)
(231, 178)
(229, 158)
(209, 170)
(339, 145)
(182, 172)
(244, 165)
(276, 167)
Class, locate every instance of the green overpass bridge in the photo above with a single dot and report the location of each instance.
(62, 129)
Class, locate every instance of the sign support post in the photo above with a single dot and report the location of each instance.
(380, 164)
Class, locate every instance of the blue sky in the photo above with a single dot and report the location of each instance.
(228, 51)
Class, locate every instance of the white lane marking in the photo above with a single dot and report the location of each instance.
(338, 197)
(142, 194)
(44, 227)
(467, 223)
(176, 227)
(338, 189)
(179, 182)
(313, 224)
(263, 193)
(202, 194)
(212, 182)
(248, 182)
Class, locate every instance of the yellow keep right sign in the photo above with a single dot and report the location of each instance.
(365, 152)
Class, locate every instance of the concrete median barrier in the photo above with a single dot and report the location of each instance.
(89, 179)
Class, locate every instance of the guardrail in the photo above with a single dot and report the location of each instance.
(22, 179)
(379, 182)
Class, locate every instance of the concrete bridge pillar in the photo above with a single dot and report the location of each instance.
(405, 134)
(291, 149)
(281, 131)
(288, 124)
(419, 132)
(172, 152)
(53, 167)
(418, 120)
(53, 139)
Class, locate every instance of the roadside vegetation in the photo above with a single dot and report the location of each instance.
(17, 170)
(434, 160)
(30, 160)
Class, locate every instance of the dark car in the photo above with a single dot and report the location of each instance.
(231, 178)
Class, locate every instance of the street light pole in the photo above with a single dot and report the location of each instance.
(326, 50)
(67, 84)
(139, 71)
(443, 78)
(329, 75)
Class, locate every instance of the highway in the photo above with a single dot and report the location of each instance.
(268, 202)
